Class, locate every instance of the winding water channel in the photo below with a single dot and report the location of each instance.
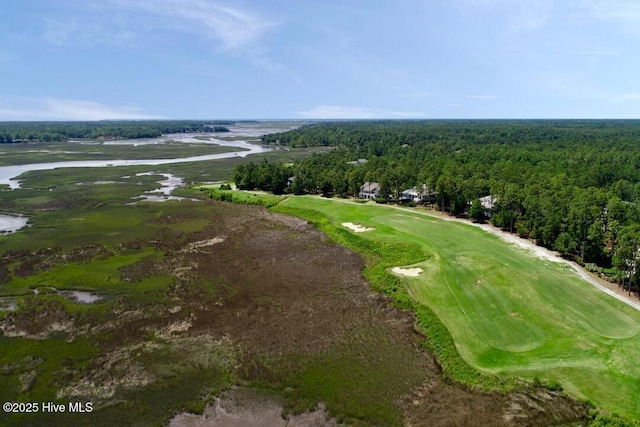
(9, 175)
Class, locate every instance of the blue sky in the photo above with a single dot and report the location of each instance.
(308, 59)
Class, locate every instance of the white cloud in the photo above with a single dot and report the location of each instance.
(344, 112)
(27, 108)
(228, 29)
(233, 27)
(85, 32)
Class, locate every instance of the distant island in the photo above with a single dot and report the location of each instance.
(16, 132)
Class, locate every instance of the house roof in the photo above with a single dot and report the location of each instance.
(487, 202)
(370, 186)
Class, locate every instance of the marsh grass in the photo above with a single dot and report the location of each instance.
(360, 379)
(54, 362)
(69, 211)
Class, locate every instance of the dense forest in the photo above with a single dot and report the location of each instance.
(572, 186)
(15, 132)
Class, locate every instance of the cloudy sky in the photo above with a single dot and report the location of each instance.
(300, 59)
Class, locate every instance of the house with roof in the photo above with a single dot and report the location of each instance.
(488, 203)
(422, 195)
(410, 195)
(369, 190)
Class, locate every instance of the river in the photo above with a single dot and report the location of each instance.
(9, 224)
(9, 174)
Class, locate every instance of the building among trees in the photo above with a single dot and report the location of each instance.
(369, 190)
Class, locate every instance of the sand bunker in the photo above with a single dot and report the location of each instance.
(356, 227)
(411, 272)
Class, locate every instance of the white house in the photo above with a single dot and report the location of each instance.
(369, 190)
(488, 203)
(410, 195)
(425, 195)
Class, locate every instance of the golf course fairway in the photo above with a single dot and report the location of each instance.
(509, 312)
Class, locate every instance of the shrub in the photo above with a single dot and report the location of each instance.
(221, 196)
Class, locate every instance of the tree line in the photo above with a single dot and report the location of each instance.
(569, 185)
(16, 132)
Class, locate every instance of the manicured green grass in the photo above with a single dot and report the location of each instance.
(508, 312)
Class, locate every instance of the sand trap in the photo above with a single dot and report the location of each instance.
(410, 272)
(356, 227)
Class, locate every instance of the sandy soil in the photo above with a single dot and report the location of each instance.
(356, 227)
(242, 408)
(203, 244)
(409, 272)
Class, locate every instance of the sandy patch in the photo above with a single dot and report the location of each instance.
(356, 227)
(174, 328)
(410, 272)
(243, 408)
(203, 244)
